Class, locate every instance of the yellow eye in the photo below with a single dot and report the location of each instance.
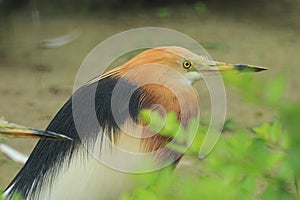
(186, 64)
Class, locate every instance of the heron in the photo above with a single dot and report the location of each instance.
(67, 170)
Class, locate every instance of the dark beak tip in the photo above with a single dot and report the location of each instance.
(259, 69)
(50, 135)
(249, 68)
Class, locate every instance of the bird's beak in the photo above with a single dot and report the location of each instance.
(213, 66)
(14, 130)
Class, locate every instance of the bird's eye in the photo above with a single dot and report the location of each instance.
(187, 64)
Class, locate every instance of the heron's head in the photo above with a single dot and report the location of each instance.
(185, 62)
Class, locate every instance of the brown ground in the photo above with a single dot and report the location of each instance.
(31, 94)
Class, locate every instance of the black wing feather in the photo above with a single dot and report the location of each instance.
(48, 155)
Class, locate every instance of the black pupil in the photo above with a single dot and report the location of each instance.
(187, 64)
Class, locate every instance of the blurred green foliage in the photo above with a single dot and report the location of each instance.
(163, 12)
(258, 163)
(15, 197)
(201, 8)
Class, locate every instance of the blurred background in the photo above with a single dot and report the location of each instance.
(42, 44)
